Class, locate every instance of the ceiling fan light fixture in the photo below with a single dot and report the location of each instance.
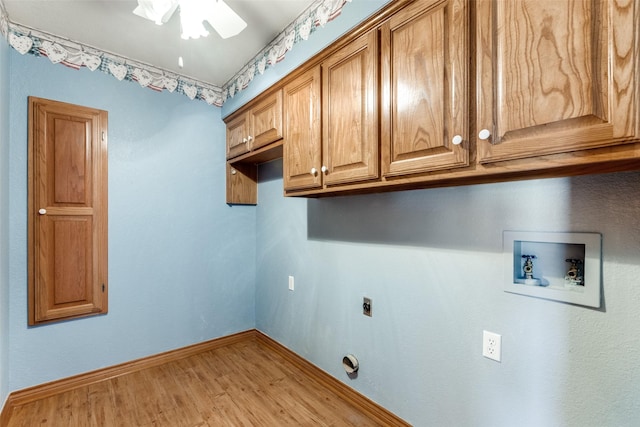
(158, 11)
(193, 13)
(191, 18)
(224, 20)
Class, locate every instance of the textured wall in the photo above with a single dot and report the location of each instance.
(431, 260)
(353, 13)
(176, 250)
(4, 219)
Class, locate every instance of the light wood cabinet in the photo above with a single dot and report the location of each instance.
(431, 93)
(424, 57)
(342, 94)
(350, 113)
(237, 133)
(254, 136)
(554, 76)
(256, 126)
(302, 150)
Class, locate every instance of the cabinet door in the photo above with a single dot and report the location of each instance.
(350, 112)
(266, 121)
(237, 132)
(424, 53)
(67, 211)
(302, 149)
(555, 76)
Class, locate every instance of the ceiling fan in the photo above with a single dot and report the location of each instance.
(193, 13)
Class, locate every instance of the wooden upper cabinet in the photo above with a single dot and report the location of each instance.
(255, 127)
(302, 151)
(424, 74)
(266, 121)
(237, 132)
(67, 211)
(555, 76)
(350, 113)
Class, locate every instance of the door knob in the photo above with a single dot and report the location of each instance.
(42, 211)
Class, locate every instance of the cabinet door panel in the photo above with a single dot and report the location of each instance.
(553, 76)
(424, 99)
(66, 288)
(349, 112)
(237, 132)
(302, 149)
(266, 119)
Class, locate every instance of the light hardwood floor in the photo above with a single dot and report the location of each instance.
(246, 383)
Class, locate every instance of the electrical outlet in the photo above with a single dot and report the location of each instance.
(491, 345)
(366, 306)
(291, 283)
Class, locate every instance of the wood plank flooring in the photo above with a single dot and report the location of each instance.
(242, 384)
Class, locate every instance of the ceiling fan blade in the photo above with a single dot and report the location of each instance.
(158, 11)
(224, 20)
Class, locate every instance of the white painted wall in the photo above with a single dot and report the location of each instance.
(431, 260)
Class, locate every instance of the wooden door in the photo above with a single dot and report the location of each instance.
(555, 76)
(424, 53)
(237, 133)
(350, 113)
(302, 149)
(67, 211)
(266, 121)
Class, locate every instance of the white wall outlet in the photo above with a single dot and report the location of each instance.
(291, 283)
(491, 345)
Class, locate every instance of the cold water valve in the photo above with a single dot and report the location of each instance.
(528, 266)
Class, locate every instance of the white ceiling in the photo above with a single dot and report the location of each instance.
(110, 25)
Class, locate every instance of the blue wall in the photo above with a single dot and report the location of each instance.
(184, 267)
(352, 13)
(178, 269)
(431, 260)
(4, 219)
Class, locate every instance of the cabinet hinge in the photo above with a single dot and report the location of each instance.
(103, 287)
(104, 136)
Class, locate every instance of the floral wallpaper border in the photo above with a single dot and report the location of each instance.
(73, 54)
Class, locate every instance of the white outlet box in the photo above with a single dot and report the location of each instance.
(491, 345)
(291, 283)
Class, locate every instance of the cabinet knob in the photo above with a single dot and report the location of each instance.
(244, 140)
(324, 169)
(249, 138)
(233, 172)
(314, 171)
(457, 140)
(42, 211)
(484, 134)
